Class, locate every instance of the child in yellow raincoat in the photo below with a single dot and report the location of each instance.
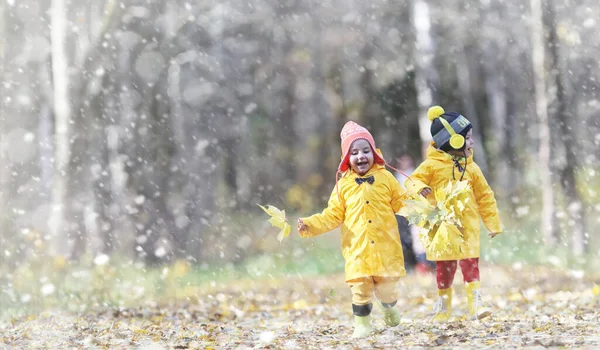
(450, 157)
(364, 202)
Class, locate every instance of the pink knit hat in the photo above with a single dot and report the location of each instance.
(350, 133)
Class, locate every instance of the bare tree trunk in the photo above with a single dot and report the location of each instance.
(514, 161)
(287, 119)
(46, 150)
(426, 76)
(494, 87)
(5, 169)
(464, 84)
(180, 233)
(124, 142)
(320, 105)
(566, 121)
(2, 38)
(541, 106)
(112, 218)
(367, 86)
(46, 129)
(62, 115)
(339, 115)
(148, 170)
(285, 115)
(465, 64)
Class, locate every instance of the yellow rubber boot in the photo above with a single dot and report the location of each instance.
(477, 308)
(362, 326)
(391, 316)
(443, 306)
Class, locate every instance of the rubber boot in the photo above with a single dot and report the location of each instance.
(391, 316)
(477, 308)
(362, 326)
(443, 306)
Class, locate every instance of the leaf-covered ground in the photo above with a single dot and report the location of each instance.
(535, 307)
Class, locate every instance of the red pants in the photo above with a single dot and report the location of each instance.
(446, 269)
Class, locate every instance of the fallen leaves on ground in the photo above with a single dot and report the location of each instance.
(534, 307)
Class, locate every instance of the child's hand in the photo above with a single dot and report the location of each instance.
(301, 226)
(493, 234)
(425, 192)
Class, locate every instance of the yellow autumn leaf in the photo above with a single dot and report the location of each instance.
(441, 194)
(596, 290)
(285, 231)
(417, 210)
(437, 242)
(446, 240)
(279, 220)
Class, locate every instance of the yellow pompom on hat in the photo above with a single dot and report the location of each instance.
(448, 129)
(434, 112)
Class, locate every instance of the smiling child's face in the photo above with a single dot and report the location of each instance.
(361, 156)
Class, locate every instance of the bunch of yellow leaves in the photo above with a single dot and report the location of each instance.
(440, 220)
(279, 220)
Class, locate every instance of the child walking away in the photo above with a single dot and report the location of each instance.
(364, 202)
(450, 158)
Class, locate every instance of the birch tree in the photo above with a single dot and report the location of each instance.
(5, 168)
(62, 114)
(541, 108)
(426, 77)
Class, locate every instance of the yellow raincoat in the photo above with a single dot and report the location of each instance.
(370, 239)
(434, 172)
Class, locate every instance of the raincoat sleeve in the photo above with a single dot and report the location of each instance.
(398, 194)
(486, 203)
(330, 218)
(418, 180)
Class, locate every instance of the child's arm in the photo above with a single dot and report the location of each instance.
(398, 194)
(330, 218)
(486, 203)
(417, 183)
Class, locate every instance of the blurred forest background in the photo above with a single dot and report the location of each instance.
(144, 132)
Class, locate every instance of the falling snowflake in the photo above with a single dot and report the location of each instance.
(160, 252)
(101, 259)
(48, 289)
